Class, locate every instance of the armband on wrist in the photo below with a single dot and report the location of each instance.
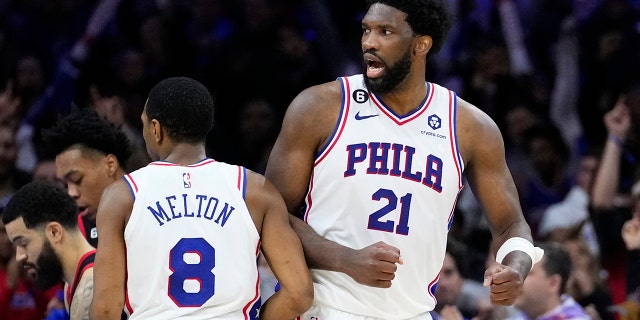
(519, 244)
(617, 141)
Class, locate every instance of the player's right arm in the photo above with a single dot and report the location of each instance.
(282, 250)
(306, 128)
(109, 269)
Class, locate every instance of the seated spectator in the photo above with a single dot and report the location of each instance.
(543, 292)
(457, 296)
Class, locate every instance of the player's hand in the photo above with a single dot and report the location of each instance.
(374, 265)
(505, 283)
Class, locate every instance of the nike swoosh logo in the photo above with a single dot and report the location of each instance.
(359, 117)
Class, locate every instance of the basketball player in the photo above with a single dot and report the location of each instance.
(41, 221)
(181, 236)
(376, 162)
(90, 153)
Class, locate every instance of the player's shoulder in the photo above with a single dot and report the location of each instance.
(474, 125)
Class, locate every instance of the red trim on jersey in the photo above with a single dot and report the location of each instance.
(452, 141)
(431, 285)
(80, 269)
(239, 178)
(170, 164)
(127, 303)
(204, 162)
(309, 201)
(133, 183)
(162, 164)
(453, 209)
(257, 296)
(343, 121)
(398, 120)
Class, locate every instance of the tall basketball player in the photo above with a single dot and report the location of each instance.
(181, 236)
(376, 161)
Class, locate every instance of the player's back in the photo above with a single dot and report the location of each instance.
(191, 243)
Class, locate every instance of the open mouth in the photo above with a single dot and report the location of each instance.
(374, 65)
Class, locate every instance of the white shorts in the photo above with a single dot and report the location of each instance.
(323, 312)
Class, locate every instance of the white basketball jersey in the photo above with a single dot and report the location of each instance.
(191, 244)
(384, 177)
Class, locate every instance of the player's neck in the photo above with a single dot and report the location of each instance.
(75, 248)
(186, 154)
(408, 96)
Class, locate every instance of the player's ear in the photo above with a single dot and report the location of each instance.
(157, 130)
(53, 231)
(423, 45)
(112, 164)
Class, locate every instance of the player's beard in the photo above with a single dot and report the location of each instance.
(394, 75)
(48, 268)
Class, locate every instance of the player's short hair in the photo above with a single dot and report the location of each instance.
(41, 202)
(84, 127)
(556, 260)
(184, 107)
(426, 17)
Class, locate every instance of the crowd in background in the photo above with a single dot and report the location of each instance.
(561, 78)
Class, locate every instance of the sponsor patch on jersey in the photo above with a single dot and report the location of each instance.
(434, 122)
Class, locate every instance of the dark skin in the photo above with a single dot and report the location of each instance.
(281, 247)
(309, 123)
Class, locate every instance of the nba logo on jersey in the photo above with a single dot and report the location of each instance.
(186, 180)
(434, 122)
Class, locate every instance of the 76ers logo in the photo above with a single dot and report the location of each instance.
(186, 180)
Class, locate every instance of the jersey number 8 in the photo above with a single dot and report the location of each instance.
(192, 281)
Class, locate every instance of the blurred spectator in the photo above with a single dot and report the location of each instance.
(570, 217)
(457, 296)
(112, 107)
(254, 136)
(587, 283)
(611, 203)
(11, 178)
(546, 181)
(543, 292)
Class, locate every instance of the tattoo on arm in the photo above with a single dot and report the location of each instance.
(81, 304)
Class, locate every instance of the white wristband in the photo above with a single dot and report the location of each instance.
(519, 244)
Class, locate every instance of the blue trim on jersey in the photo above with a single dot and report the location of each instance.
(340, 117)
(414, 111)
(455, 131)
(244, 183)
(133, 194)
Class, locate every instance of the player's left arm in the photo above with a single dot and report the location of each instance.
(109, 267)
(282, 249)
(81, 307)
(482, 148)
